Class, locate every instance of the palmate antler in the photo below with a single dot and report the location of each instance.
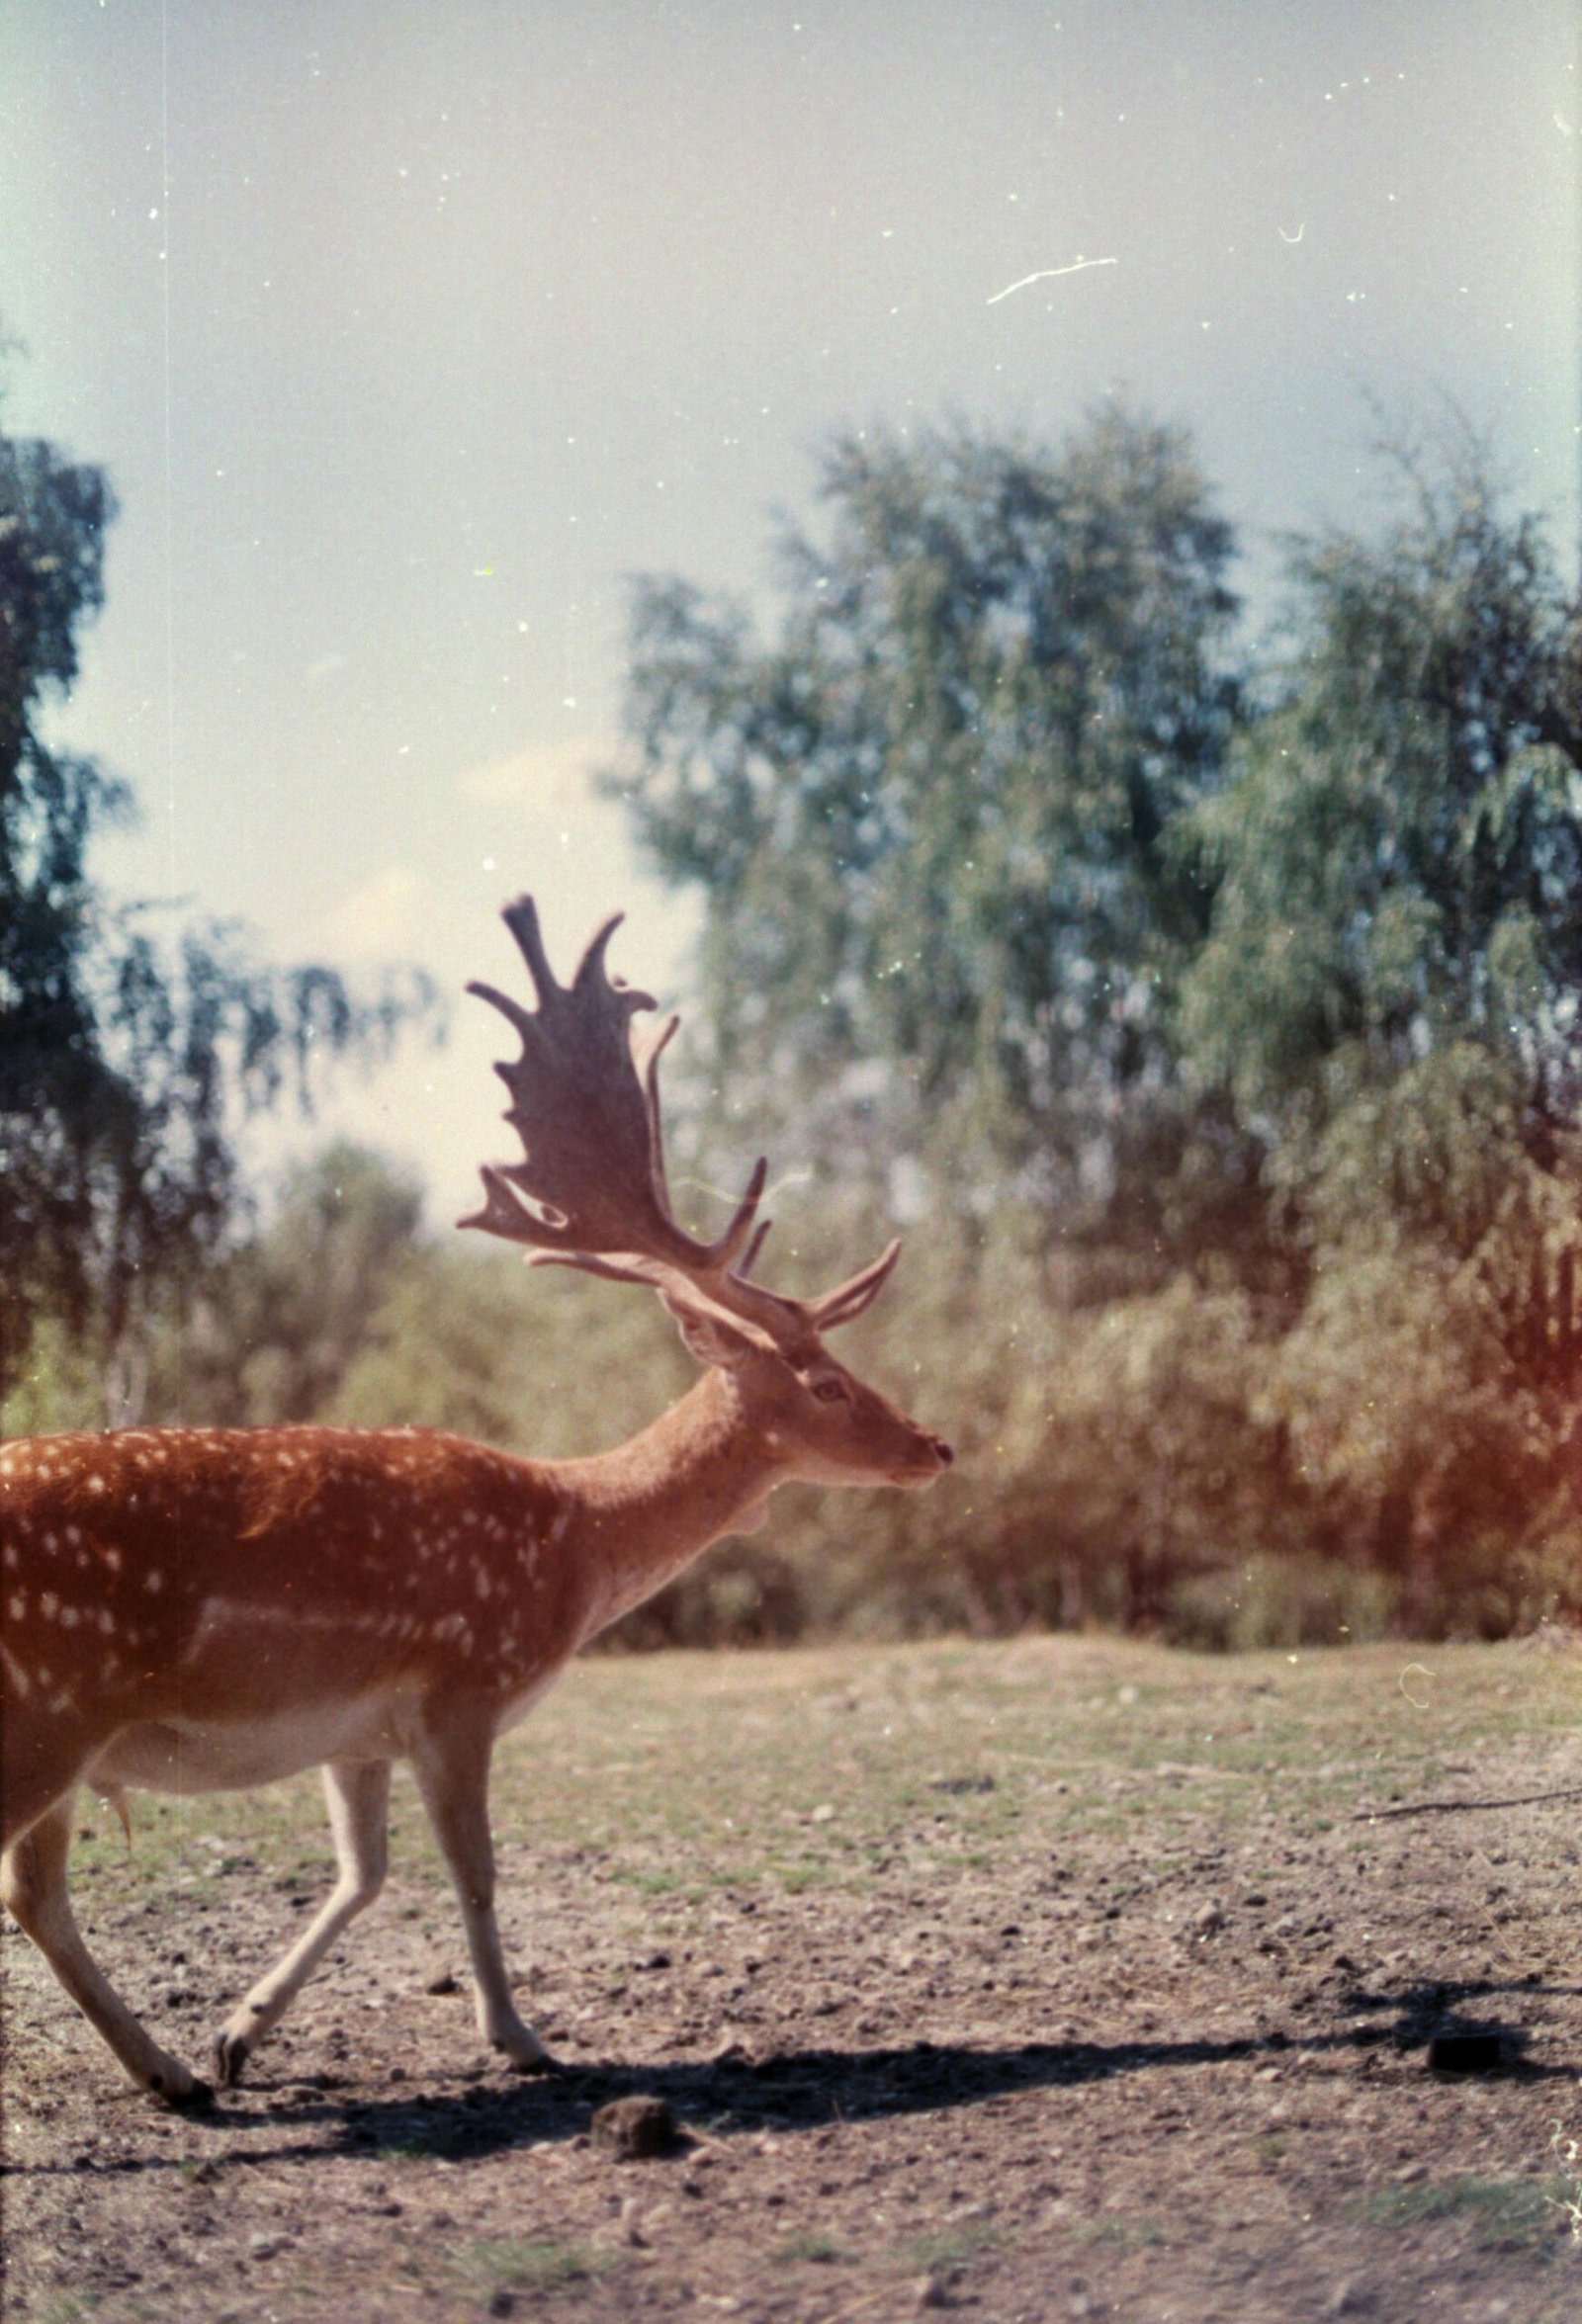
(588, 1113)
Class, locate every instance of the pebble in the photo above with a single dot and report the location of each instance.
(264, 2247)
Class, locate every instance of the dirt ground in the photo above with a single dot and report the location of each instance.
(1054, 1979)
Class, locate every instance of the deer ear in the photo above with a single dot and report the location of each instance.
(713, 1337)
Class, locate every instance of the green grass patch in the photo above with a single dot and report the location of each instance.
(811, 2243)
(530, 2264)
(422, 2144)
(951, 2247)
(1119, 2235)
(1504, 2214)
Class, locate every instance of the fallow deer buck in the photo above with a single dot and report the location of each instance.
(195, 1609)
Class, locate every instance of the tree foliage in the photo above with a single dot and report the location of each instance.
(1399, 851)
(1267, 1002)
(1392, 989)
(928, 817)
(278, 1319)
(123, 1061)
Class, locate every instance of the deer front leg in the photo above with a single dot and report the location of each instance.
(451, 1762)
(358, 1799)
(33, 1886)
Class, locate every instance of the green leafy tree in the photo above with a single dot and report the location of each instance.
(931, 817)
(124, 1063)
(1389, 993)
(1399, 853)
(282, 1316)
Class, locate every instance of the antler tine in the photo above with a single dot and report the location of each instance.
(590, 968)
(651, 1098)
(856, 1295)
(502, 1214)
(521, 917)
(749, 1259)
(510, 1009)
(720, 1254)
(723, 1250)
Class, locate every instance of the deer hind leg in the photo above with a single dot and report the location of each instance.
(451, 1762)
(33, 1885)
(358, 1799)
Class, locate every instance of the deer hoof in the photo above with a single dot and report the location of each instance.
(230, 2056)
(524, 2053)
(197, 2099)
(545, 2063)
(181, 2088)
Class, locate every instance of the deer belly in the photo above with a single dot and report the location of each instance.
(186, 1755)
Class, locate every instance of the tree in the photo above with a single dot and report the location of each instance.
(1267, 1000)
(121, 1069)
(282, 1316)
(1399, 851)
(1389, 994)
(931, 818)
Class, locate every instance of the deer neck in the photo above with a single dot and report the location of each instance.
(641, 1514)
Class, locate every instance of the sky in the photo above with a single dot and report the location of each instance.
(408, 333)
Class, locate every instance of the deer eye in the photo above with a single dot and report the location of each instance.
(830, 1390)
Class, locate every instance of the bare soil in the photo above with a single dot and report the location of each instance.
(1053, 1979)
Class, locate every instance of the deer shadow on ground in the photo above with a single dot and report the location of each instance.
(790, 2093)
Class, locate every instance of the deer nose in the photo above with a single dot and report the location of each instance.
(947, 1456)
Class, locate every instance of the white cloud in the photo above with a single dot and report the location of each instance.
(527, 822)
(377, 920)
(540, 779)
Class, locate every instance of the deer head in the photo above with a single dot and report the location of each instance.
(591, 1192)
